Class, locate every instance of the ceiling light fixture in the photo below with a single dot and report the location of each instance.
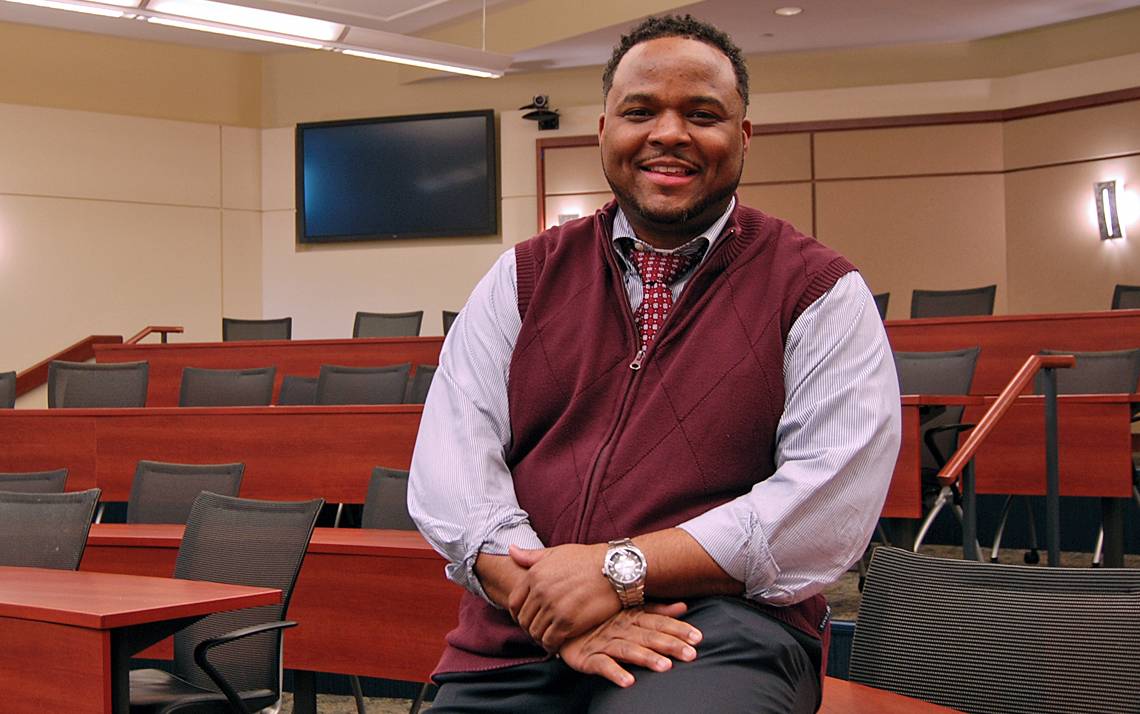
(789, 11)
(383, 57)
(235, 32)
(85, 8)
(251, 18)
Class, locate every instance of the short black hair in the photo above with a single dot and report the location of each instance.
(685, 26)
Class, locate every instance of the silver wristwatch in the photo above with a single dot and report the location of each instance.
(624, 566)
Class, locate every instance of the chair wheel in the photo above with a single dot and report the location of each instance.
(1032, 557)
(1096, 564)
(993, 559)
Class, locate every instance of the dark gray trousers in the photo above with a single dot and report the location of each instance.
(747, 663)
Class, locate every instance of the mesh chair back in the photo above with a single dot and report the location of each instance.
(362, 385)
(952, 303)
(7, 390)
(881, 302)
(999, 639)
(45, 530)
(226, 387)
(448, 318)
(386, 505)
(83, 384)
(235, 330)
(164, 493)
(34, 481)
(297, 390)
(1112, 372)
(419, 384)
(388, 324)
(1126, 297)
(938, 373)
(242, 542)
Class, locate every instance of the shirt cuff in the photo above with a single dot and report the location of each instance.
(496, 543)
(739, 546)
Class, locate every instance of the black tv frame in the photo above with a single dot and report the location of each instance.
(492, 178)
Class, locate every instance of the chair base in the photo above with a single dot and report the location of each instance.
(154, 691)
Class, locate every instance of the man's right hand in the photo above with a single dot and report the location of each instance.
(643, 636)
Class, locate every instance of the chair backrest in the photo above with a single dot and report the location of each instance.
(881, 302)
(388, 324)
(419, 384)
(386, 505)
(226, 387)
(1126, 297)
(999, 639)
(164, 493)
(243, 542)
(85, 384)
(1111, 372)
(235, 330)
(45, 530)
(34, 481)
(951, 303)
(362, 385)
(448, 318)
(297, 390)
(7, 390)
(948, 372)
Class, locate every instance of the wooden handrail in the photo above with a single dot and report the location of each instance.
(163, 330)
(81, 351)
(953, 468)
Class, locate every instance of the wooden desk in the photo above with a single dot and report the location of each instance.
(290, 453)
(296, 357)
(1006, 340)
(843, 697)
(68, 635)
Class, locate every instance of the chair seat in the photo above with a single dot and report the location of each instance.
(154, 691)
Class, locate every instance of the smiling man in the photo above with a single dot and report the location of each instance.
(658, 432)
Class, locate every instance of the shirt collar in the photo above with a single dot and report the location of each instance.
(624, 238)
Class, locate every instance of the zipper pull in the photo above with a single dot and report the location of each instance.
(636, 363)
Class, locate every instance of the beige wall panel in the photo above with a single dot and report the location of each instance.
(55, 152)
(72, 268)
(241, 265)
(575, 204)
(779, 157)
(1057, 262)
(519, 138)
(954, 148)
(1072, 136)
(575, 169)
(278, 157)
(789, 202)
(241, 168)
(937, 233)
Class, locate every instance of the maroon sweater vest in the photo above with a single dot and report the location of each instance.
(602, 451)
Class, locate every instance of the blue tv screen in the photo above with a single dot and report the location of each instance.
(418, 176)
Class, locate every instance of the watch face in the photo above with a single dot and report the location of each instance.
(625, 566)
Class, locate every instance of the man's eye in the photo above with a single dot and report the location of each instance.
(636, 113)
(704, 117)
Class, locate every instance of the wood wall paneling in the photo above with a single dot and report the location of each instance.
(909, 151)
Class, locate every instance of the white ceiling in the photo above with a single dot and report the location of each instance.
(823, 24)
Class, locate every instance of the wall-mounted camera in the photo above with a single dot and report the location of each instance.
(541, 112)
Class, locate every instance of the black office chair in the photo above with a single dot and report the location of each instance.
(235, 330)
(362, 385)
(999, 639)
(448, 318)
(1112, 372)
(34, 481)
(881, 302)
(164, 492)
(45, 530)
(90, 385)
(419, 384)
(226, 387)
(1126, 297)
(7, 390)
(953, 303)
(297, 391)
(388, 324)
(231, 661)
(949, 372)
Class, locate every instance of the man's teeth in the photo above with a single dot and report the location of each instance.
(671, 170)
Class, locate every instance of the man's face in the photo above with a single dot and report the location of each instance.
(673, 138)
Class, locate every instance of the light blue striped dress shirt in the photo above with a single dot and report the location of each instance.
(790, 536)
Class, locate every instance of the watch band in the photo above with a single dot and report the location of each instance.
(630, 594)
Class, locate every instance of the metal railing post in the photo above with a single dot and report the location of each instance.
(1052, 473)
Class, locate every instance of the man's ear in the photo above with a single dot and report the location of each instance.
(602, 125)
(746, 127)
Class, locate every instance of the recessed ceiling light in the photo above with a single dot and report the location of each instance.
(788, 11)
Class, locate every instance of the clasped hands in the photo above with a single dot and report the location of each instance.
(565, 603)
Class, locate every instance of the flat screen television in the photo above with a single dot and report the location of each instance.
(416, 176)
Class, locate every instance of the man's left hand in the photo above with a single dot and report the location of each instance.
(563, 594)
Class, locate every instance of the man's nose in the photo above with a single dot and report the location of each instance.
(670, 128)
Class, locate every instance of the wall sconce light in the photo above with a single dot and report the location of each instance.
(1107, 215)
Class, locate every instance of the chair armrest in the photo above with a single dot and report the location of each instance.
(205, 646)
(928, 438)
